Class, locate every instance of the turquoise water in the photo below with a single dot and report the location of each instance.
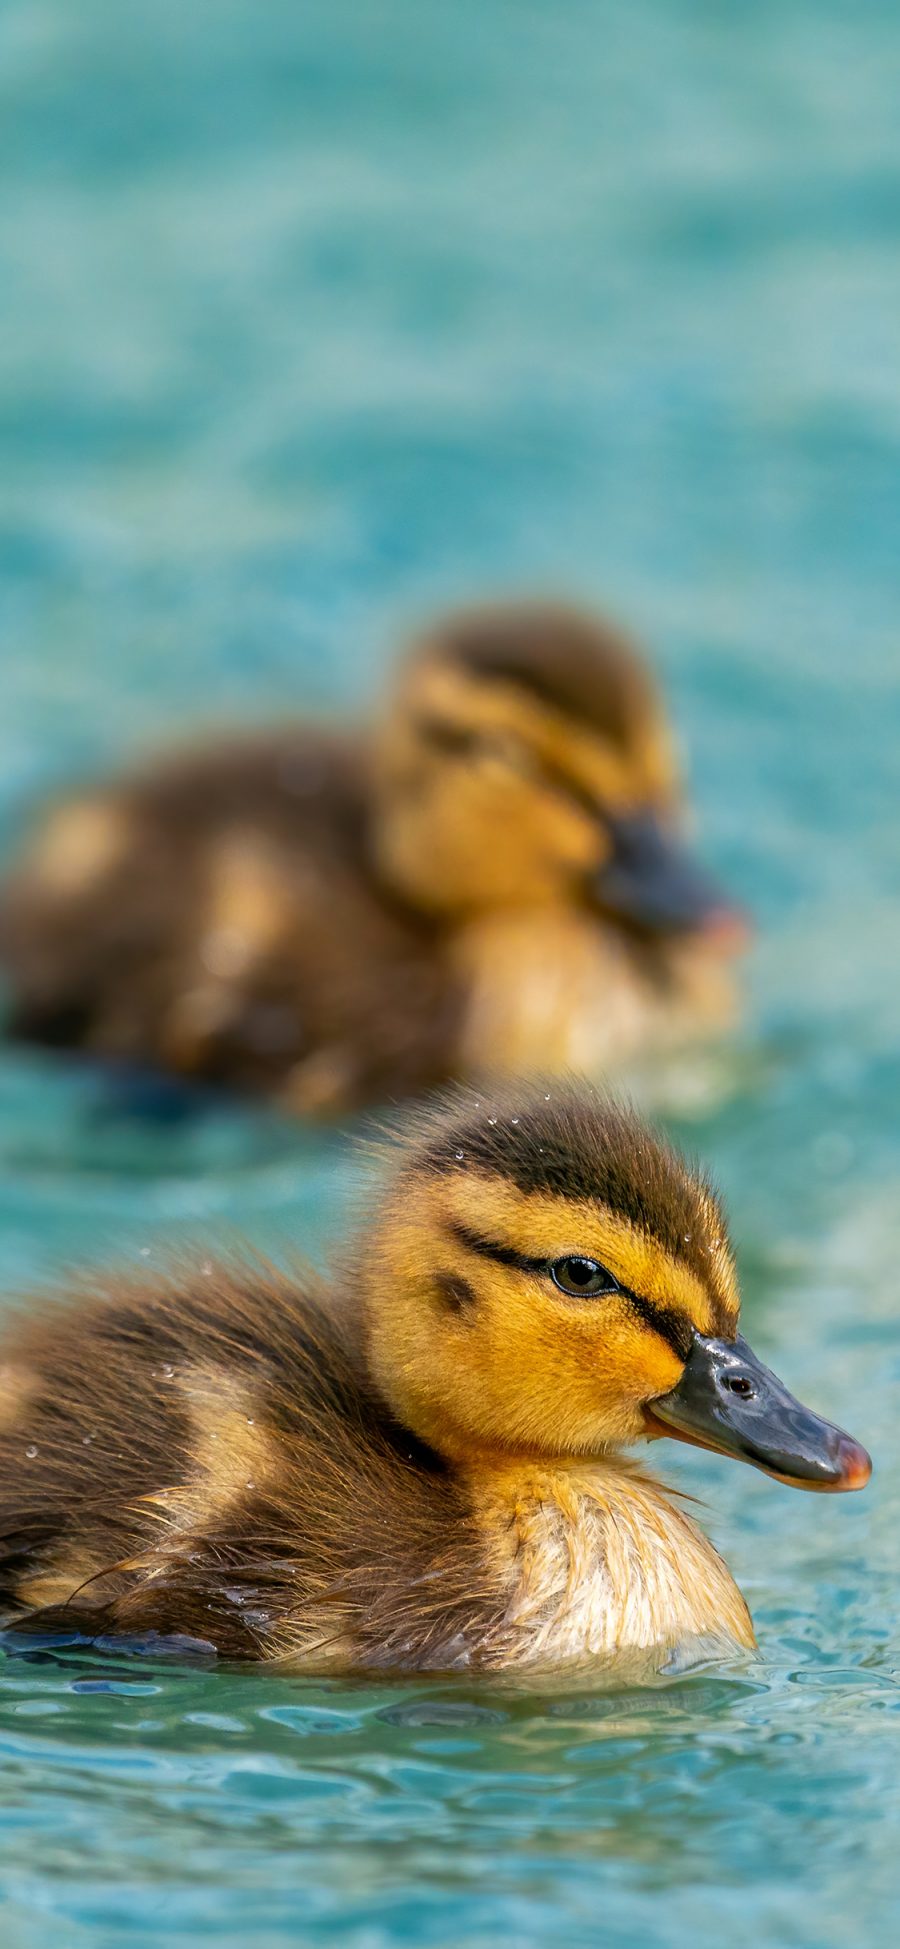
(311, 317)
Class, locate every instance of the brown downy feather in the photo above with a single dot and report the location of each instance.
(222, 920)
(207, 1459)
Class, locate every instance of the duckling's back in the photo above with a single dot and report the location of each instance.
(205, 1459)
(218, 914)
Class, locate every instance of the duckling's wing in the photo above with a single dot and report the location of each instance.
(202, 1457)
(104, 915)
(218, 915)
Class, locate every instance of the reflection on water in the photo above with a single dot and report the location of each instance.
(311, 319)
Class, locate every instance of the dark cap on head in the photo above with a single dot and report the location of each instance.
(578, 664)
(569, 1140)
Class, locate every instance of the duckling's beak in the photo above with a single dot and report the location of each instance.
(727, 1400)
(651, 879)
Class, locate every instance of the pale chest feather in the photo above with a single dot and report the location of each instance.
(597, 1561)
(557, 989)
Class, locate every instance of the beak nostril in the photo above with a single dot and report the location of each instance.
(727, 1400)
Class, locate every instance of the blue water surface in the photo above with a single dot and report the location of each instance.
(312, 317)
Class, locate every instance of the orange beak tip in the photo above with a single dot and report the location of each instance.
(728, 929)
(856, 1466)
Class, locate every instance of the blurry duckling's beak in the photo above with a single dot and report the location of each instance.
(727, 1400)
(651, 879)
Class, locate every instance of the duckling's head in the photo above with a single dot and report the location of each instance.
(525, 758)
(550, 1278)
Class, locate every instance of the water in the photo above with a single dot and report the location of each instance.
(311, 317)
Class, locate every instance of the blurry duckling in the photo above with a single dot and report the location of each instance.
(418, 1466)
(491, 879)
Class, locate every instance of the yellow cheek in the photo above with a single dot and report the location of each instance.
(536, 841)
(575, 841)
(639, 1363)
(564, 1379)
(604, 1353)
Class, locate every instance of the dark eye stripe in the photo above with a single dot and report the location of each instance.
(444, 735)
(491, 1249)
(459, 742)
(669, 1322)
(571, 788)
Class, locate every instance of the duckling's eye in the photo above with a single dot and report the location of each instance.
(582, 1278)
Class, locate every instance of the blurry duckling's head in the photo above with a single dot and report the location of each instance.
(549, 1278)
(525, 758)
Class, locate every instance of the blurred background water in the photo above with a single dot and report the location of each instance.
(313, 316)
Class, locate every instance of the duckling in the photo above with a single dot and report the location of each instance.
(419, 1466)
(490, 879)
